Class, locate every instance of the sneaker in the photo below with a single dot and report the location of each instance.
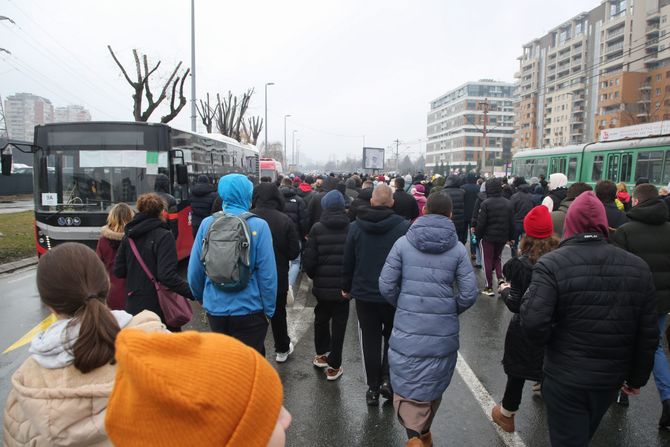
(386, 390)
(333, 374)
(488, 292)
(283, 356)
(372, 397)
(320, 361)
(664, 422)
(290, 298)
(504, 422)
(622, 399)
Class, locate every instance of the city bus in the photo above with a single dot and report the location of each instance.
(619, 161)
(271, 168)
(81, 170)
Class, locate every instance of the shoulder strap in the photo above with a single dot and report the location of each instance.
(247, 215)
(133, 247)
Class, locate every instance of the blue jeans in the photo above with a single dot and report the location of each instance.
(661, 369)
(293, 271)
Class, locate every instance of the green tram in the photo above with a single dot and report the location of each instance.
(618, 161)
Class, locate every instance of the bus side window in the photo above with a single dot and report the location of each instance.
(597, 168)
(572, 169)
(626, 167)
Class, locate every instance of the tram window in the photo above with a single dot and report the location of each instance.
(649, 165)
(540, 167)
(558, 165)
(626, 167)
(666, 169)
(572, 169)
(613, 168)
(597, 167)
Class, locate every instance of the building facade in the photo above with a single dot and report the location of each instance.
(457, 121)
(71, 113)
(604, 68)
(23, 111)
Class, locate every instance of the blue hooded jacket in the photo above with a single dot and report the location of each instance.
(419, 278)
(260, 295)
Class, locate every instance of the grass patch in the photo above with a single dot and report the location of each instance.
(17, 239)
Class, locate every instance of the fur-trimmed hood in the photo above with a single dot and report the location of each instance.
(109, 234)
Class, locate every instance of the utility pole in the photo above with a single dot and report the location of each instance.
(484, 132)
(193, 104)
(3, 121)
(397, 155)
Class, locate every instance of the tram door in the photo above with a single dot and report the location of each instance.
(619, 167)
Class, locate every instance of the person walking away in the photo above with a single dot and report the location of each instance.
(156, 246)
(268, 204)
(623, 197)
(243, 314)
(494, 228)
(522, 360)
(522, 203)
(647, 235)
(469, 199)
(221, 394)
(322, 261)
(363, 199)
(593, 306)
(404, 204)
(295, 208)
(452, 187)
(420, 278)
(59, 395)
(606, 193)
(369, 241)
(557, 191)
(558, 216)
(419, 194)
(111, 236)
(314, 208)
(537, 191)
(351, 188)
(202, 199)
(305, 190)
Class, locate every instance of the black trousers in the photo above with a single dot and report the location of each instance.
(574, 413)
(249, 329)
(376, 323)
(513, 391)
(278, 321)
(330, 325)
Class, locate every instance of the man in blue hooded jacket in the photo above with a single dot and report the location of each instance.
(244, 314)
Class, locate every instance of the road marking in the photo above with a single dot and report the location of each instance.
(48, 321)
(485, 401)
(21, 278)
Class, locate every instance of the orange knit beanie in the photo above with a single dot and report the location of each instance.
(199, 389)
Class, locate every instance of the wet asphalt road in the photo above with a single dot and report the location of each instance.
(335, 414)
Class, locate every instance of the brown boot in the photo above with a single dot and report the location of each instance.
(427, 439)
(414, 442)
(506, 423)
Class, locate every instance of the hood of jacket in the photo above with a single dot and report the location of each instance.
(557, 180)
(377, 219)
(143, 224)
(235, 191)
(162, 183)
(111, 235)
(305, 187)
(432, 233)
(334, 219)
(288, 192)
(267, 195)
(586, 214)
(350, 183)
(452, 181)
(365, 194)
(329, 184)
(524, 188)
(653, 212)
(202, 189)
(493, 187)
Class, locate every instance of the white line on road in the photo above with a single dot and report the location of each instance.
(20, 278)
(485, 401)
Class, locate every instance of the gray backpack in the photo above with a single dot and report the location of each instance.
(226, 251)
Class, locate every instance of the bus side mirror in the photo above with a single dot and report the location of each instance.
(182, 174)
(6, 164)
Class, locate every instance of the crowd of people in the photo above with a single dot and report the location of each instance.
(588, 283)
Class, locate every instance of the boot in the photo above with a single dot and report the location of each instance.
(414, 442)
(505, 422)
(427, 439)
(664, 422)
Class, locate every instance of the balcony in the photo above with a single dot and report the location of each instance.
(645, 88)
(616, 33)
(613, 48)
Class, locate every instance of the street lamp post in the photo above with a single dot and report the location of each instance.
(293, 148)
(285, 159)
(266, 115)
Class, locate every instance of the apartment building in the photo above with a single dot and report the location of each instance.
(604, 68)
(23, 111)
(456, 125)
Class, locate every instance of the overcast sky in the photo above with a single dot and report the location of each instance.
(342, 69)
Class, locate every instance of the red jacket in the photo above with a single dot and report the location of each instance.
(108, 244)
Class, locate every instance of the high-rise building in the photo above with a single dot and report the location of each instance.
(71, 113)
(23, 111)
(608, 67)
(457, 121)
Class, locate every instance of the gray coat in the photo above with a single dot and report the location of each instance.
(419, 279)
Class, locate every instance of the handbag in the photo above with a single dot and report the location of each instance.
(176, 309)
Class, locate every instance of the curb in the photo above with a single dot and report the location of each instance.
(16, 265)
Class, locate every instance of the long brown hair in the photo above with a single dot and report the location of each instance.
(73, 282)
(533, 248)
(119, 216)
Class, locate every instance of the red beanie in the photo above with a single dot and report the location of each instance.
(538, 223)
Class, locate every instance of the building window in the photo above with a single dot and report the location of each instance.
(658, 77)
(617, 81)
(658, 92)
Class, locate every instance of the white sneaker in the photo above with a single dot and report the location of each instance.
(290, 298)
(283, 356)
(334, 374)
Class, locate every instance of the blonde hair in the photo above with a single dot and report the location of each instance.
(621, 187)
(118, 217)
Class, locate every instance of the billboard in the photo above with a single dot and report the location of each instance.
(373, 158)
(637, 131)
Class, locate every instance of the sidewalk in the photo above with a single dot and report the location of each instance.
(16, 265)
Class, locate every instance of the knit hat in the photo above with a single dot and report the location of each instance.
(297, 179)
(586, 214)
(538, 223)
(419, 189)
(192, 388)
(380, 178)
(534, 180)
(333, 201)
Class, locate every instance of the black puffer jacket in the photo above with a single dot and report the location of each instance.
(522, 359)
(369, 241)
(593, 305)
(202, 198)
(158, 251)
(557, 196)
(495, 222)
(324, 255)
(268, 204)
(647, 235)
(471, 191)
(453, 190)
(405, 205)
(522, 203)
(363, 199)
(295, 208)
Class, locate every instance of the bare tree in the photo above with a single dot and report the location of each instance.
(142, 88)
(255, 128)
(230, 114)
(207, 113)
